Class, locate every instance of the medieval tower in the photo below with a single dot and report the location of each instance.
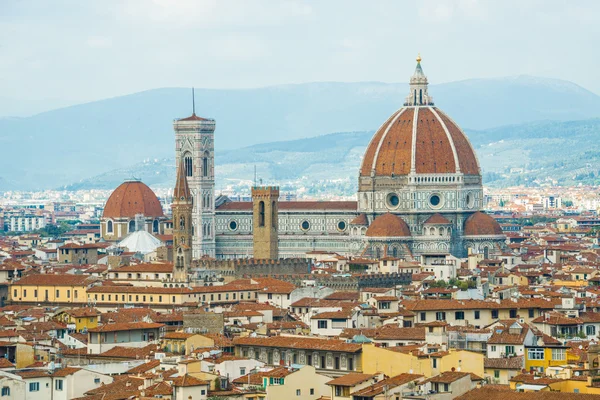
(265, 218)
(182, 225)
(194, 147)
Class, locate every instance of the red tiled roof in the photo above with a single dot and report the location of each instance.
(299, 343)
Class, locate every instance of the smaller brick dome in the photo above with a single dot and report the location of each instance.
(481, 224)
(131, 198)
(388, 225)
(437, 219)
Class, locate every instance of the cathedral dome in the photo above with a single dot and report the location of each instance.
(131, 198)
(419, 138)
(481, 224)
(388, 225)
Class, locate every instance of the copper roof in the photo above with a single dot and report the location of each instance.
(390, 151)
(388, 225)
(482, 224)
(131, 198)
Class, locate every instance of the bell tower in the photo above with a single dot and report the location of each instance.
(182, 226)
(194, 147)
(265, 221)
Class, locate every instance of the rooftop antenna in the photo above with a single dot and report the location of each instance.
(193, 103)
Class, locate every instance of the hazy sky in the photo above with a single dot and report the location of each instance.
(71, 51)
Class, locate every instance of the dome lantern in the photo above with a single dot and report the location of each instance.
(418, 95)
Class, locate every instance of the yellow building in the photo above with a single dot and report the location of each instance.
(539, 358)
(185, 343)
(392, 361)
(79, 319)
(62, 289)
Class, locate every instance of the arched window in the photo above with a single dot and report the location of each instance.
(189, 165)
(261, 213)
(486, 252)
(415, 98)
(155, 226)
(420, 96)
(132, 226)
(274, 215)
(205, 164)
(394, 252)
(182, 223)
(109, 227)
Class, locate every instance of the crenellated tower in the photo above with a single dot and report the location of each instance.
(182, 226)
(265, 220)
(194, 147)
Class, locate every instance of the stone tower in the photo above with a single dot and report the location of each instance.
(182, 226)
(194, 146)
(265, 218)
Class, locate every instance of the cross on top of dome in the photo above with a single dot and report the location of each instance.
(418, 95)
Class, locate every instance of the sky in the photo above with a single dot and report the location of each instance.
(61, 52)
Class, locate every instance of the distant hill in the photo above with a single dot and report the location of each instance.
(66, 145)
(564, 153)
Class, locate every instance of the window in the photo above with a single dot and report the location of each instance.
(312, 391)
(242, 371)
(531, 313)
(57, 293)
(509, 350)
(512, 313)
(434, 361)
(477, 314)
(261, 213)
(205, 164)
(590, 330)
(35, 293)
(131, 226)
(423, 316)
(58, 384)
(109, 227)
(68, 294)
(5, 391)
(270, 296)
(492, 348)
(34, 386)
(298, 392)
(497, 373)
(558, 354)
(440, 316)
(305, 225)
(495, 314)
(24, 292)
(322, 324)
(187, 160)
(535, 354)
(459, 315)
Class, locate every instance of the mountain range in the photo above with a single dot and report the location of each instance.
(124, 135)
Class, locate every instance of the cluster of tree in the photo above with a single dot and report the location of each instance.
(462, 285)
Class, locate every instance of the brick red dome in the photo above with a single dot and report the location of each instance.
(440, 146)
(131, 198)
(388, 225)
(481, 224)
